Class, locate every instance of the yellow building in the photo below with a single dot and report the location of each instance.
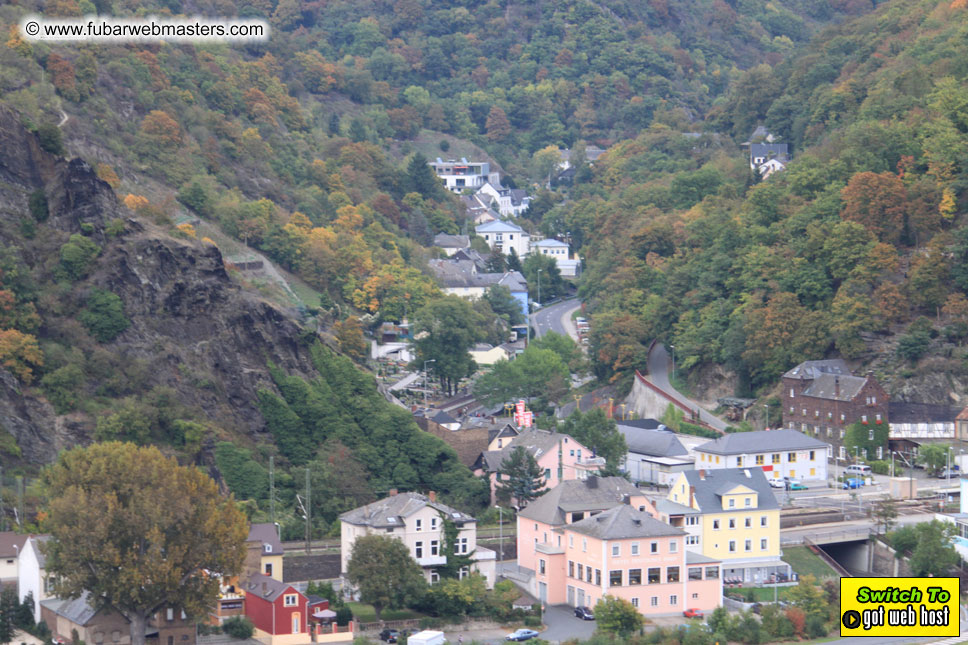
(732, 515)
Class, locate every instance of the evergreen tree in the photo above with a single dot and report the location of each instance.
(514, 262)
(521, 478)
(8, 610)
(421, 178)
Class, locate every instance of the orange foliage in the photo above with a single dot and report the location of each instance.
(106, 173)
(163, 130)
(135, 202)
(62, 76)
(19, 353)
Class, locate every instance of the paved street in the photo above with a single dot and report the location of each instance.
(556, 318)
(659, 362)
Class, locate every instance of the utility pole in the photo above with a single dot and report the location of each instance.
(20, 500)
(309, 512)
(432, 360)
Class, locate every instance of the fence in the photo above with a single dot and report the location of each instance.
(847, 535)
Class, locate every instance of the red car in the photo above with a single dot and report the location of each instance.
(692, 613)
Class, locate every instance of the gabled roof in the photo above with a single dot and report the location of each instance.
(78, 611)
(519, 196)
(266, 533)
(709, 485)
(623, 522)
(835, 387)
(268, 588)
(769, 150)
(391, 512)
(579, 495)
(550, 242)
(536, 442)
(904, 412)
(498, 226)
(11, 544)
(744, 443)
(446, 241)
(36, 542)
(655, 443)
(812, 369)
(645, 424)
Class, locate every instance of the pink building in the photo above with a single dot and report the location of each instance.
(585, 539)
(558, 455)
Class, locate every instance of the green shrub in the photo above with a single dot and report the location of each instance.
(816, 628)
(532, 621)
(246, 478)
(104, 315)
(50, 138)
(87, 228)
(880, 467)
(38, 206)
(238, 627)
(63, 386)
(444, 145)
(344, 615)
(77, 256)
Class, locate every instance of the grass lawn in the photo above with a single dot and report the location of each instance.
(804, 562)
(760, 594)
(365, 614)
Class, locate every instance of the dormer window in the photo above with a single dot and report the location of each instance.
(267, 547)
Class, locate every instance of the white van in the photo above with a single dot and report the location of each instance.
(859, 469)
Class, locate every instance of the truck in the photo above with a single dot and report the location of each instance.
(426, 637)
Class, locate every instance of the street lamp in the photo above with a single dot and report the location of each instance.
(767, 406)
(500, 528)
(673, 362)
(432, 360)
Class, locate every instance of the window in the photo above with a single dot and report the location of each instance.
(615, 578)
(759, 460)
(296, 622)
(880, 452)
(748, 545)
(763, 520)
(877, 417)
(289, 600)
(692, 520)
(463, 545)
(732, 546)
(804, 411)
(732, 502)
(695, 573)
(571, 569)
(547, 473)
(433, 523)
(841, 433)
(269, 569)
(843, 417)
(635, 602)
(830, 415)
(816, 414)
(655, 573)
(672, 574)
(584, 544)
(791, 409)
(763, 544)
(843, 452)
(418, 525)
(863, 418)
(792, 457)
(418, 550)
(463, 572)
(739, 462)
(775, 458)
(541, 566)
(747, 501)
(581, 571)
(692, 540)
(434, 577)
(635, 548)
(635, 577)
(791, 393)
(267, 548)
(749, 522)
(170, 614)
(434, 547)
(588, 574)
(732, 522)
(571, 453)
(712, 573)
(616, 550)
(673, 547)
(654, 547)
(655, 601)
(673, 600)
(715, 525)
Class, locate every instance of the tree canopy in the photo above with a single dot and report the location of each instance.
(520, 478)
(383, 571)
(139, 532)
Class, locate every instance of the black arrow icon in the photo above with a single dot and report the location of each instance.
(851, 619)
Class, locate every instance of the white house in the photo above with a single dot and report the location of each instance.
(510, 201)
(771, 167)
(778, 453)
(504, 236)
(10, 546)
(418, 521)
(33, 574)
(458, 175)
(655, 453)
(561, 253)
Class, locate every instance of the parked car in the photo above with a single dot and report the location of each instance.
(584, 613)
(853, 482)
(389, 635)
(757, 608)
(944, 474)
(521, 635)
(777, 483)
(797, 486)
(692, 613)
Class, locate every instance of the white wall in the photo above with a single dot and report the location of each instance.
(31, 578)
(803, 468)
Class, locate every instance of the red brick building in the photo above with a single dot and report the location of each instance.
(822, 398)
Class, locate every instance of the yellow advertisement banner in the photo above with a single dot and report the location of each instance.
(899, 607)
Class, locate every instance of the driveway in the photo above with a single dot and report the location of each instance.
(564, 625)
(659, 362)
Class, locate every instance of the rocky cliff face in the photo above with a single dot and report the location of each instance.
(198, 332)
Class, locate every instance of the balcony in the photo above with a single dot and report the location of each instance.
(432, 560)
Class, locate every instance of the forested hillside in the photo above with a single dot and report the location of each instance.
(858, 249)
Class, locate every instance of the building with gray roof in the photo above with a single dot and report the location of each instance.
(572, 500)
(654, 456)
(623, 522)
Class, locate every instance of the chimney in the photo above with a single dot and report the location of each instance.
(393, 492)
(627, 499)
(264, 592)
(692, 495)
(702, 475)
(836, 387)
(432, 496)
(870, 373)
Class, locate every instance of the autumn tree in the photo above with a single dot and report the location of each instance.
(139, 533)
(384, 573)
(617, 616)
(878, 202)
(498, 126)
(20, 354)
